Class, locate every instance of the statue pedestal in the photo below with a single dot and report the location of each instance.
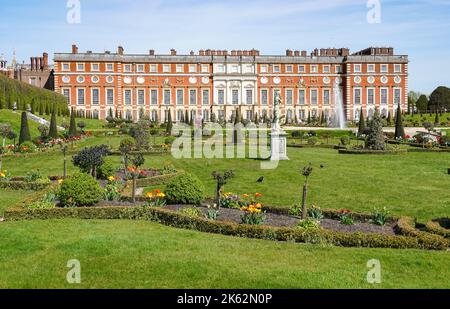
(278, 148)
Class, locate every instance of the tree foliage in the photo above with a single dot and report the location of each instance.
(375, 138)
(89, 159)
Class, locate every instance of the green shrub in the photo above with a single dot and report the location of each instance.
(185, 189)
(106, 170)
(308, 224)
(27, 147)
(380, 216)
(313, 140)
(80, 190)
(191, 212)
(315, 213)
(169, 140)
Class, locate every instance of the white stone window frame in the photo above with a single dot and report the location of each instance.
(128, 68)
(205, 68)
(289, 68)
(177, 90)
(371, 68)
(203, 96)
(109, 69)
(106, 96)
(125, 97)
(192, 68)
(326, 68)
(83, 65)
(179, 68)
(65, 64)
(338, 69)
(252, 97)
(398, 68)
(276, 69)
(267, 96)
(360, 96)
(387, 95)
(384, 68)
(286, 96)
(153, 68)
(69, 97)
(302, 68)
(144, 97)
(95, 64)
(304, 96)
(78, 96)
(374, 96)
(98, 96)
(166, 68)
(169, 101)
(153, 90)
(314, 68)
(140, 68)
(329, 96)
(316, 90)
(190, 90)
(357, 68)
(264, 68)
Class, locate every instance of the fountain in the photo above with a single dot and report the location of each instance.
(339, 115)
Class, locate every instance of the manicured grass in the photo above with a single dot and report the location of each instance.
(10, 197)
(134, 254)
(91, 124)
(413, 184)
(13, 118)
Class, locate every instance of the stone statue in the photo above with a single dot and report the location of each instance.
(276, 116)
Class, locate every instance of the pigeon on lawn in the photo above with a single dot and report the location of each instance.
(261, 179)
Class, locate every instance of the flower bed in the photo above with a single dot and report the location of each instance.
(179, 220)
(372, 152)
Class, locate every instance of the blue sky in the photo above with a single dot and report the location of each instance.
(417, 28)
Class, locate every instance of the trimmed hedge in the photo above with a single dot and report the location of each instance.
(438, 227)
(147, 182)
(311, 146)
(407, 226)
(34, 197)
(372, 152)
(429, 150)
(23, 185)
(178, 220)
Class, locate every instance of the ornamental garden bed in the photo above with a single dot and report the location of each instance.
(280, 220)
(372, 152)
(439, 227)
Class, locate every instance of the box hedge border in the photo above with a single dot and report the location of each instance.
(436, 227)
(147, 182)
(415, 240)
(372, 152)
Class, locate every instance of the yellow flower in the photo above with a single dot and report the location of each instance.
(111, 178)
(2, 175)
(150, 195)
(161, 195)
(60, 181)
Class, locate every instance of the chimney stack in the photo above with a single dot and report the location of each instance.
(32, 63)
(201, 52)
(74, 49)
(151, 52)
(120, 50)
(304, 53)
(289, 53)
(173, 52)
(45, 61)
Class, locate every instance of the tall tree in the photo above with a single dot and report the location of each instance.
(422, 104)
(53, 132)
(399, 130)
(24, 129)
(439, 99)
(375, 138)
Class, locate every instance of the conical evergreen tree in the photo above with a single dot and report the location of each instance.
(73, 125)
(436, 119)
(375, 138)
(309, 117)
(53, 131)
(33, 106)
(362, 123)
(24, 129)
(169, 125)
(399, 130)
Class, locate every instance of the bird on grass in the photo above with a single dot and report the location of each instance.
(260, 179)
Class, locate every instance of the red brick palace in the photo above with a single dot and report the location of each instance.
(218, 81)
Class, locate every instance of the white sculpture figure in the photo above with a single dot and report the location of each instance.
(278, 136)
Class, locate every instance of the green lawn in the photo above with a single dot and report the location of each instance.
(413, 184)
(10, 197)
(134, 254)
(91, 124)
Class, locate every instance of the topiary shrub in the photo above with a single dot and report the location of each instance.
(80, 190)
(185, 189)
(313, 140)
(106, 170)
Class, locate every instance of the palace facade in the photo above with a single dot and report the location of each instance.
(218, 82)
